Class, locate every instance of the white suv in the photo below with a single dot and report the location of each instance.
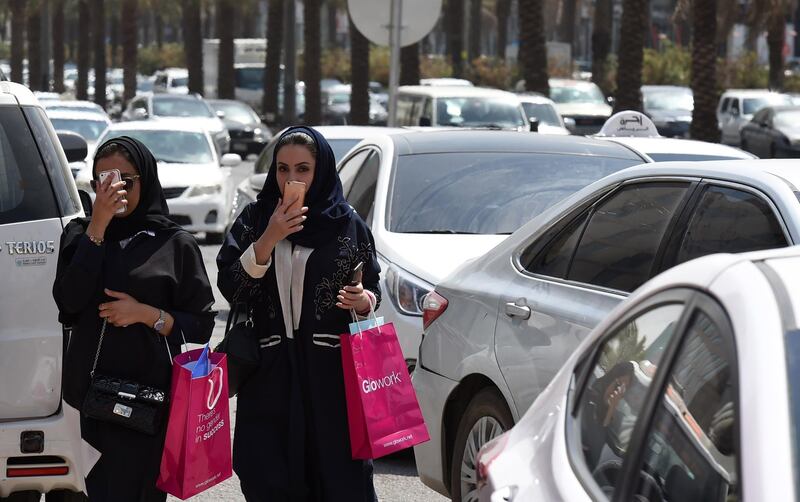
(737, 106)
(40, 441)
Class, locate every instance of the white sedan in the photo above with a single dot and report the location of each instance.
(688, 391)
(196, 186)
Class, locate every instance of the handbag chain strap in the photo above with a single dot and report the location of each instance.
(100, 345)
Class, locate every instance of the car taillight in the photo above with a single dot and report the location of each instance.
(434, 305)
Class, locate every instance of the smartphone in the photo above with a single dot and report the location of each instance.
(292, 190)
(356, 273)
(116, 177)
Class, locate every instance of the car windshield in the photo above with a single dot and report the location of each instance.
(237, 112)
(250, 78)
(448, 192)
(339, 98)
(669, 100)
(542, 111)
(89, 129)
(588, 93)
(178, 147)
(789, 119)
(752, 105)
(478, 112)
(180, 82)
(167, 107)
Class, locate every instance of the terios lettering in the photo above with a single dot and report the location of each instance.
(207, 425)
(371, 385)
(30, 247)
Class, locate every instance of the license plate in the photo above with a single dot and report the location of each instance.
(239, 147)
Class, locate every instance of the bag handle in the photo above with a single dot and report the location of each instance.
(354, 316)
(210, 403)
(235, 309)
(103, 334)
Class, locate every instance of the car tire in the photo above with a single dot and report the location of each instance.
(214, 237)
(486, 417)
(65, 496)
(26, 496)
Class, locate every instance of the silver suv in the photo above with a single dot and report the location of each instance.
(39, 440)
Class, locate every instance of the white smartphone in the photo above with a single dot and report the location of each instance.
(116, 177)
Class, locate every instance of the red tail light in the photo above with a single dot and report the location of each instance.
(434, 305)
(26, 472)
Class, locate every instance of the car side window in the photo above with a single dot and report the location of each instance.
(734, 104)
(405, 105)
(691, 450)
(725, 103)
(618, 248)
(727, 220)
(362, 193)
(350, 169)
(616, 389)
(554, 261)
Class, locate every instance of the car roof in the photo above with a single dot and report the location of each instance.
(76, 115)
(79, 103)
(457, 91)
(491, 141)
(568, 82)
(748, 92)
(663, 145)
(356, 132)
(666, 88)
(160, 124)
(535, 98)
(172, 97)
(22, 94)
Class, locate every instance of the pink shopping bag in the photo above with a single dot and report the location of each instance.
(197, 450)
(382, 409)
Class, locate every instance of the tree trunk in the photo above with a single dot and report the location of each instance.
(704, 71)
(158, 24)
(567, 28)
(99, 35)
(332, 42)
(631, 52)
(289, 112)
(474, 39)
(455, 35)
(601, 42)
(409, 65)
(533, 50)
(113, 38)
(34, 33)
(18, 22)
(208, 20)
(58, 46)
(272, 71)
(129, 48)
(776, 38)
(311, 62)
(225, 77)
(84, 50)
(503, 12)
(193, 44)
(359, 69)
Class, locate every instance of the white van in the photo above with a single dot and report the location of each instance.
(39, 451)
(737, 106)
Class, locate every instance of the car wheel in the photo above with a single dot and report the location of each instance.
(65, 496)
(26, 496)
(486, 417)
(214, 237)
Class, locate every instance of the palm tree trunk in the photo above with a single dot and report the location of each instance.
(455, 35)
(474, 39)
(311, 62)
(704, 71)
(158, 24)
(193, 44)
(567, 28)
(332, 10)
(84, 50)
(776, 38)
(359, 68)
(503, 12)
(289, 112)
(129, 47)
(34, 33)
(533, 50)
(225, 77)
(58, 46)
(631, 45)
(601, 42)
(113, 37)
(17, 39)
(272, 73)
(99, 35)
(409, 65)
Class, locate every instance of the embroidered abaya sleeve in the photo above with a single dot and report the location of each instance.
(235, 284)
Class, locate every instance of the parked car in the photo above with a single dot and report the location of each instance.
(670, 108)
(437, 198)
(773, 132)
(687, 391)
(75, 106)
(460, 106)
(446, 82)
(172, 81)
(197, 189)
(498, 329)
(248, 135)
(169, 105)
(40, 445)
(336, 106)
(88, 124)
(544, 111)
(737, 107)
(581, 101)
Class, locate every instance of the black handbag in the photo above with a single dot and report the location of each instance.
(124, 402)
(240, 345)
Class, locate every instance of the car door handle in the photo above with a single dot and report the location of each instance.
(513, 309)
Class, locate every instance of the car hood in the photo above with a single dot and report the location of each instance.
(235, 125)
(551, 129)
(432, 257)
(670, 115)
(583, 109)
(177, 175)
(210, 124)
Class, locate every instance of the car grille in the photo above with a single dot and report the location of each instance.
(240, 134)
(180, 219)
(172, 192)
(590, 121)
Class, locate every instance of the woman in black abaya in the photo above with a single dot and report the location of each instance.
(292, 269)
(145, 276)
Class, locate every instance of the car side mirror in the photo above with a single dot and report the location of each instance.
(425, 121)
(534, 123)
(86, 202)
(220, 114)
(74, 146)
(139, 114)
(610, 100)
(230, 160)
(569, 123)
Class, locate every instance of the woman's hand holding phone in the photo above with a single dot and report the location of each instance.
(283, 222)
(109, 199)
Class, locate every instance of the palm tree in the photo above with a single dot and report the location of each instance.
(34, 33)
(631, 46)
(272, 68)
(193, 43)
(455, 35)
(17, 38)
(704, 71)
(503, 11)
(226, 82)
(99, 35)
(84, 50)
(474, 39)
(58, 46)
(601, 42)
(311, 60)
(533, 50)
(776, 38)
(409, 65)
(158, 23)
(359, 76)
(129, 30)
(567, 27)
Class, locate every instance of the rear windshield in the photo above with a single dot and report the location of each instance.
(250, 78)
(478, 112)
(486, 193)
(542, 111)
(89, 129)
(165, 107)
(175, 147)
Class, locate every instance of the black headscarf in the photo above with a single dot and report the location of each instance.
(328, 211)
(152, 211)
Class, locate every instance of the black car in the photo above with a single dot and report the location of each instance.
(773, 132)
(670, 107)
(248, 134)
